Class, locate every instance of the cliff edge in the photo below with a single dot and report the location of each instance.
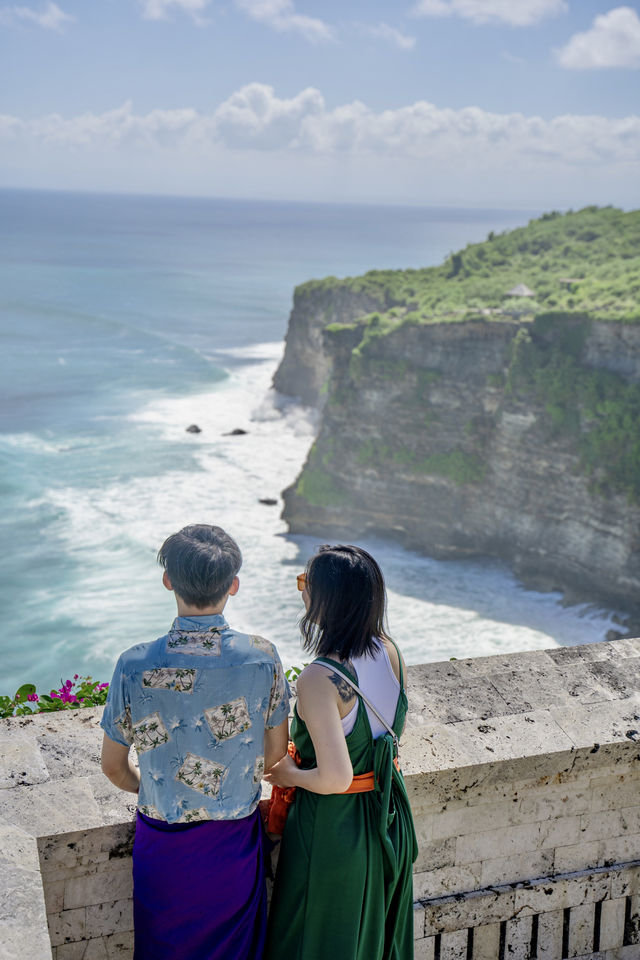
(462, 421)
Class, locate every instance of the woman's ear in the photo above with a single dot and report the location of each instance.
(166, 581)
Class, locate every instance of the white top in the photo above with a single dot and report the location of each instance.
(379, 683)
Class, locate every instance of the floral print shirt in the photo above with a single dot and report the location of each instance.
(195, 704)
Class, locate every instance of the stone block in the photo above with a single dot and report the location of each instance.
(68, 849)
(632, 925)
(606, 824)
(597, 853)
(586, 726)
(436, 854)
(116, 807)
(615, 792)
(17, 848)
(418, 921)
(454, 945)
(518, 938)
(550, 935)
(532, 689)
(510, 841)
(104, 887)
(549, 802)
(21, 761)
(470, 910)
(70, 742)
(68, 926)
(560, 832)
(120, 946)
(424, 829)
(522, 866)
(53, 895)
(22, 899)
(612, 923)
(84, 950)
(538, 660)
(486, 941)
(467, 699)
(117, 839)
(49, 808)
(626, 881)
(443, 881)
(558, 893)
(24, 940)
(581, 926)
(104, 919)
(477, 818)
(424, 949)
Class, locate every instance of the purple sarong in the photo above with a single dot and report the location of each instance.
(199, 890)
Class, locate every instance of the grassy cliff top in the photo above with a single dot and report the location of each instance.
(587, 262)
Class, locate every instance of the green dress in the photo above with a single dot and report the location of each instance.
(343, 887)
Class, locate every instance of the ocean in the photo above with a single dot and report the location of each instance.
(126, 319)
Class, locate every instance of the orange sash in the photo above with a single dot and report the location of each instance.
(364, 782)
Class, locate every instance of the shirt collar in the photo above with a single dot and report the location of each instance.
(195, 624)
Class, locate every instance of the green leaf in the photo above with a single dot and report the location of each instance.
(23, 692)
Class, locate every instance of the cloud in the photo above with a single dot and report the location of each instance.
(255, 119)
(161, 9)
(10, 126)
(51, 17)
(512, 58)
(517, 13)
(281, 16)
(612, 41)
(384, 32)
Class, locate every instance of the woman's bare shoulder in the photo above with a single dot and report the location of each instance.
(319, 677)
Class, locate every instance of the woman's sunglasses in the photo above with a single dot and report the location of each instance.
(302, 581)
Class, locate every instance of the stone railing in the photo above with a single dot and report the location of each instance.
(524, 778)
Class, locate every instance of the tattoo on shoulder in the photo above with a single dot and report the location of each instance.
(345, 690)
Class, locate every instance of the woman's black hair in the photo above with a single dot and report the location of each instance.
(347, 603)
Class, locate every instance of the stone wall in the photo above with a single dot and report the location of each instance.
(524, 777)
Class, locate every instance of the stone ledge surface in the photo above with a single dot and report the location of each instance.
(543, 716)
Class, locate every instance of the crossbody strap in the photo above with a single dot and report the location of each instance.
(352, 683)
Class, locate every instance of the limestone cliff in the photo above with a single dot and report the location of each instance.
(511, 436)
(426, 437)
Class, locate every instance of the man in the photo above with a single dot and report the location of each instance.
(206, 708)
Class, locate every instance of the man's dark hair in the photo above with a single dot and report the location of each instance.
(347, 608)
(201, 562)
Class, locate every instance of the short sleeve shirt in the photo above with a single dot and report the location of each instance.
(195, 704)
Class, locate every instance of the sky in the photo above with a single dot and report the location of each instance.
(485, 103)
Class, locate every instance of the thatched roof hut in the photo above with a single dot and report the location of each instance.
(521, 290)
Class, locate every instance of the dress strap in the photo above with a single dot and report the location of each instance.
(395, 645)
(337, 667)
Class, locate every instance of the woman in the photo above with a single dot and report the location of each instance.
(343, 887)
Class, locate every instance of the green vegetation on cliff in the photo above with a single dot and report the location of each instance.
(585, 261)
(595, 410)
(582, 267)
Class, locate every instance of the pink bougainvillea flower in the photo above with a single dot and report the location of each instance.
(33, 697)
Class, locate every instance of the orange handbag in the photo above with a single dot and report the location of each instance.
(280, 802)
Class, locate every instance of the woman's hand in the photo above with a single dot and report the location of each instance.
(284, 773)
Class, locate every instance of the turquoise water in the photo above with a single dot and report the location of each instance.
(123, 320)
